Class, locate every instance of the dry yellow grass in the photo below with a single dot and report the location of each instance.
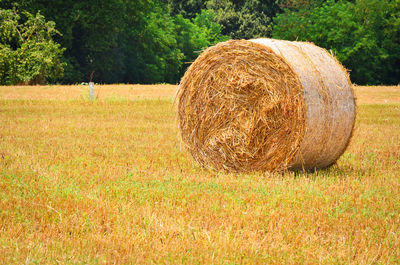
(364, 94)
(107, 182)
(65, 92)
(377, 94)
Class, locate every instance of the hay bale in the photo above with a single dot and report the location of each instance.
(265, 104)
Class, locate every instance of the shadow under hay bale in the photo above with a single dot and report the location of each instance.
(265, 105)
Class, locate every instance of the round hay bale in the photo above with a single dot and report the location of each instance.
(265, 104)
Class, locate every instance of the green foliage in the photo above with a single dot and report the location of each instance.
(244, 19)
(152, 41)
(167, 43)
(239, 18)
(7, 65)
(28, 53)
(186, 8)
(157, 50)
(296, 5)
(127, 41)
(196, 35)
(365, 35)
(208, 29)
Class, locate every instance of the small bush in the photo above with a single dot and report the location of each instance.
(28, 54)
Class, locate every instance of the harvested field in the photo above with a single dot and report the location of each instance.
(108, 181)
(107, 92)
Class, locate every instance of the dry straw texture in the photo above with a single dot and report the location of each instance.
(265, 105)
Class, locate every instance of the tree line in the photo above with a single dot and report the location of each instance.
(154, 41)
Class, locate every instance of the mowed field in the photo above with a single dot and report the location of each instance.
(109, 182)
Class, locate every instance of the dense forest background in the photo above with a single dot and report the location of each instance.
(153, 41)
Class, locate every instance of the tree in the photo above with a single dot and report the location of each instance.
(244, 19)
(124, 40)
(187, 8)
(364, 35)
(28, 53)
(197, 34)
(93, 33)
(153, 54)
(239, 18)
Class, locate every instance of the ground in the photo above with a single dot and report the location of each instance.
(109, 182)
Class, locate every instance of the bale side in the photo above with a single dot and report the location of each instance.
(329, 100)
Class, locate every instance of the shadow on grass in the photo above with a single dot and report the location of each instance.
(334, 170)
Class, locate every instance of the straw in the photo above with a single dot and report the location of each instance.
(250, 105)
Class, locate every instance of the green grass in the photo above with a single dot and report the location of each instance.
(108, 181)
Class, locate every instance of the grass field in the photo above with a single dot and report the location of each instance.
(108, 182)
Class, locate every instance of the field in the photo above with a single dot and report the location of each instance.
(109, 182)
